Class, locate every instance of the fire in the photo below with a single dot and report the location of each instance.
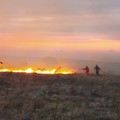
(4, 70)
(30, 70)
(46, 71)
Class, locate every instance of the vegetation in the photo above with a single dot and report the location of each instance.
(59, 97)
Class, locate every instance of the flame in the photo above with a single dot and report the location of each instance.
(4, 70)
(30, 70)
(46, 71)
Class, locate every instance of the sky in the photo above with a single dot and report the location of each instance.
(74, 29)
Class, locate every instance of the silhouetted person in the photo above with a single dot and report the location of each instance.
(86, 69)
(97, 69)
(1, 65)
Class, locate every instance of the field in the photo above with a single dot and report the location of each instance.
(59, 97)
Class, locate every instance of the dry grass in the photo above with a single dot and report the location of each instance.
(59, 97)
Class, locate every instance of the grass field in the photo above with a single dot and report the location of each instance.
(59, 97)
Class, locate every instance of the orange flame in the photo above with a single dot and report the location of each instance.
(30, 70)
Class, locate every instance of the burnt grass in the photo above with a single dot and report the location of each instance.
(59, 97)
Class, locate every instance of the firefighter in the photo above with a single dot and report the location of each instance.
(97, 69)
(86, 69)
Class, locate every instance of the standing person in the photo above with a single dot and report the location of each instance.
(86, 69)
(97, 69)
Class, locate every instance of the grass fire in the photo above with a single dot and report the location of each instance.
(47, 71)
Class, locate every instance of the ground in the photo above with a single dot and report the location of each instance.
(59, 97)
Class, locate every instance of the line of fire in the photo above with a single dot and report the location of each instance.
(58, 70)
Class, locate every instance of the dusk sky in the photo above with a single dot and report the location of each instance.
(79, 29)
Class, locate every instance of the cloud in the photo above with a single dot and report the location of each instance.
(24, 19)
(76, 17)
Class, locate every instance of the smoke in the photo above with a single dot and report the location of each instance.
(75, 65)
